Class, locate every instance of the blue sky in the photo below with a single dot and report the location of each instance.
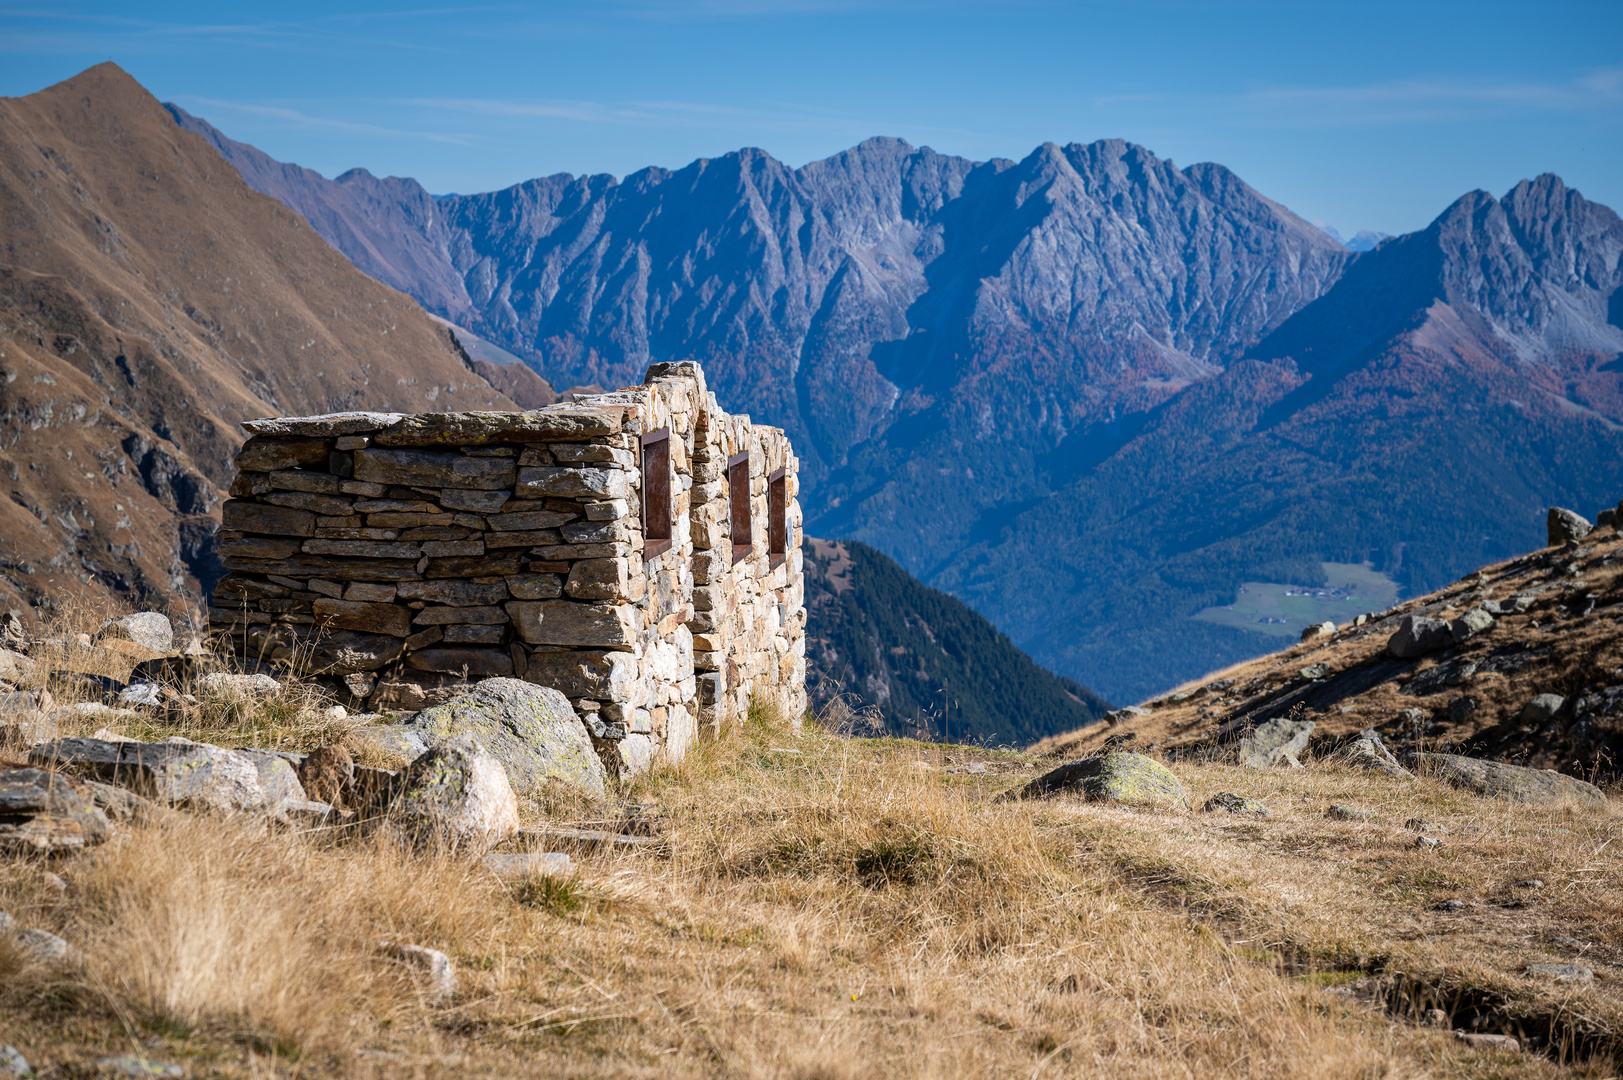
(1366, 115)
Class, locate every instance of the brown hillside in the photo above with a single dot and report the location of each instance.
(1567, 641)
(149, 302)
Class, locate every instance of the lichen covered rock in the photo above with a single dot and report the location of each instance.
(1130, 779)
(455, 797)
(44, 813)
(1518, 783)
(532, 730)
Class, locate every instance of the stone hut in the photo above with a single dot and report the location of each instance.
(638, 551)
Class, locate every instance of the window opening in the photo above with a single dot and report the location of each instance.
(738, 504)
(777, 516)
(656, 492)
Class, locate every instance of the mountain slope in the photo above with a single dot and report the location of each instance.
(149, 301)
(930, 666)
(1419, 417)
(1555, 629)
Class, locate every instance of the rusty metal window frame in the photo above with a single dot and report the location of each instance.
(777, 516)
(654, 462)
(738, 506)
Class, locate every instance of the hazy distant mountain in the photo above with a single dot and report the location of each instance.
(1364, 240)
(1088, 391)
(149, 301)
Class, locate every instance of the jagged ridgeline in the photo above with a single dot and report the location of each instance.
(926, 662)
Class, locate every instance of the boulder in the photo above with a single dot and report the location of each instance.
(1564, 526)
(44, 813)
(1418, 635)
(178, 772)
(1369, 752)
(1274, 742)
(1541, 709)
(532, 730)
(1495, 779)
(147, 629)
(455, 797)
(1235, 804)
(1470, 624)
(1349, 813)
(17, 669)
(1130, 779)
(1319, 630)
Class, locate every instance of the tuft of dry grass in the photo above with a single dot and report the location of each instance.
(828, 906)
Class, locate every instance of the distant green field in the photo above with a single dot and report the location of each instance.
(1280, 610)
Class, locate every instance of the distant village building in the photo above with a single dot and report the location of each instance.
(637, 550)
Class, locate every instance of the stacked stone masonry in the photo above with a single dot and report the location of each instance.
(599, 547)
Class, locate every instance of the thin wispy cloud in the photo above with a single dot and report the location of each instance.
(1406, 101)
(297, 120)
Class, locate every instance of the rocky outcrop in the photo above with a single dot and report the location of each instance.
(1495, 779)
(1274, 742)
(44, 813)
(179, 772)
(1565, 526)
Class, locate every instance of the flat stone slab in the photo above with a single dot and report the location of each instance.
(1495, 779)
(1560, 972)
(551, 424)
(534, 864)
(588, 838)
(44, 813)
(339, 423)
(1129, 779)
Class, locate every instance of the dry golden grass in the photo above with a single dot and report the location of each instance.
(853, 909)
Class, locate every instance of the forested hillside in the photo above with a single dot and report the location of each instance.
(925, 661)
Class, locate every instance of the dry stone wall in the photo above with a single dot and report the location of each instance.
(638, 551)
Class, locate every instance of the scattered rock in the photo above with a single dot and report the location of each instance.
(1515, 782)
(1235, 804)
(1563, 526)
(1418, 635)
(1416, 824)
(591, 839)
(1560, 972)
(147, 629)
(141, 694)
(129, 1065)
(223, 684)
(1541, 709)
(1449, 905)
(1349, 813)
(178, 772)
(532, 730)
(1481, 1041)
(335, 712)
(1314, 672)
(435, 967)
(533, 864)
(1116, 716)
(25, 702)
(1274, 742)
(1130, 779)
(1529, 883)
(55, 882)
(13, 1064)
(1318, 630)
(1469, 625)
(1427, 842)
(1369, 752)
(455, 797)
(17, 669)
(396, 740)
(44, 813)
(43, 946)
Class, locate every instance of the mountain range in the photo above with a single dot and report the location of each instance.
(1090, 392)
